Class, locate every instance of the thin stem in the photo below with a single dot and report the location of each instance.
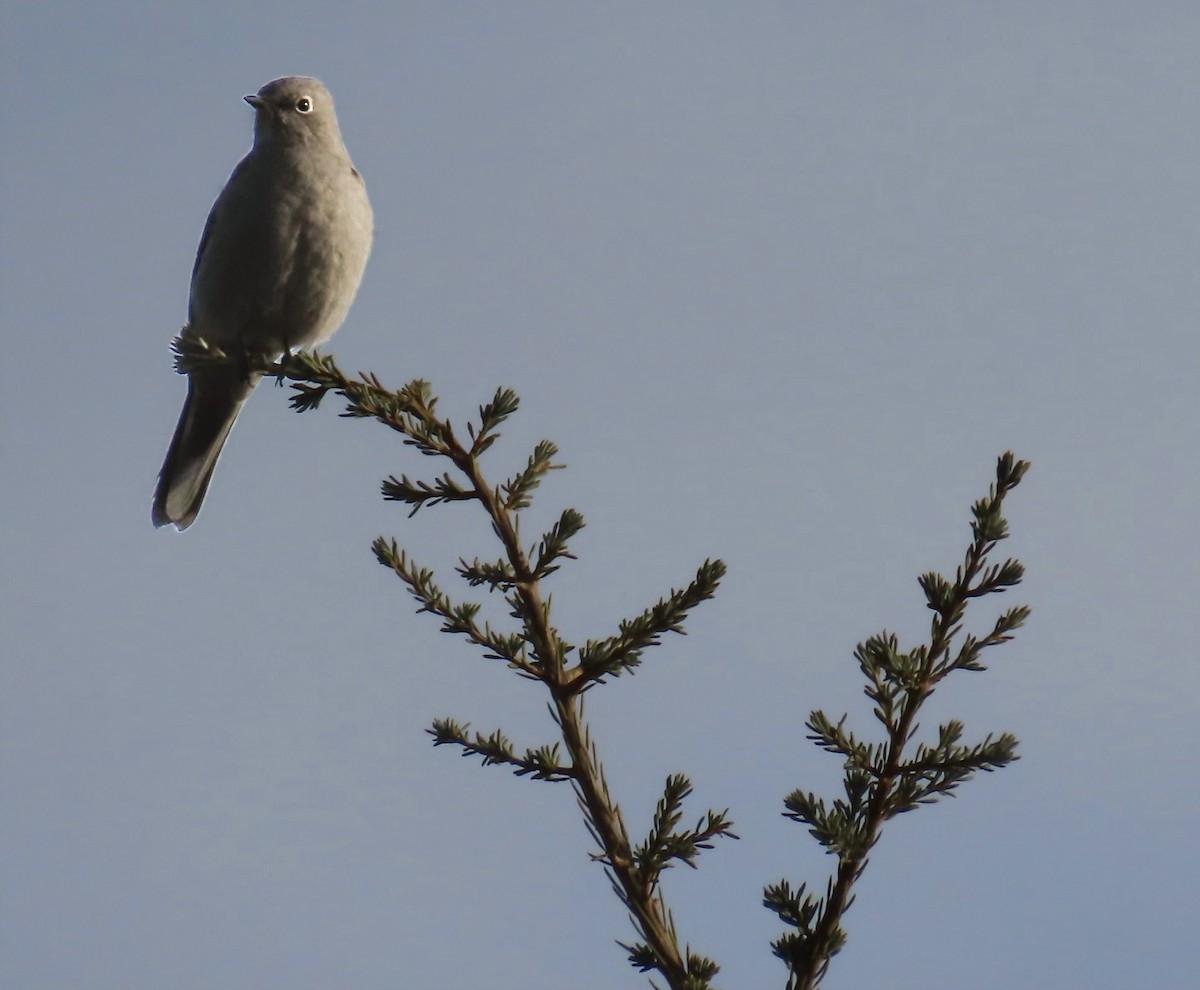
(852, 864)
(603, 816)
(414, 417)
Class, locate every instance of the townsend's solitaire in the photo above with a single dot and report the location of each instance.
(278, 265)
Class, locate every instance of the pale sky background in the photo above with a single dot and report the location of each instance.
(782, 280)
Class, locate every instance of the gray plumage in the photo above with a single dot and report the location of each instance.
(278, 266)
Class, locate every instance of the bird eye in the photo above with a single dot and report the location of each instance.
(304, 105)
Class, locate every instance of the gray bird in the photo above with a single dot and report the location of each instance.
(278, 265)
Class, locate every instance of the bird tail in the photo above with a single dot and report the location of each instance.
(214, 398)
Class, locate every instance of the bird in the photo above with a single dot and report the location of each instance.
(279, 263)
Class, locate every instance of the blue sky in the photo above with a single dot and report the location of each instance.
(781, 280)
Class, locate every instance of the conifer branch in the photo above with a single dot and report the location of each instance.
(622, 653)
(536, 650)
(884, 780)
(541, 763)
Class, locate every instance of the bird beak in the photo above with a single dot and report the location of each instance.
(254, 101)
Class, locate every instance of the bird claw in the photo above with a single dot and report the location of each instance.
(284, 360)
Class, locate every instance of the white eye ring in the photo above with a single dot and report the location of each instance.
(304, 105)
